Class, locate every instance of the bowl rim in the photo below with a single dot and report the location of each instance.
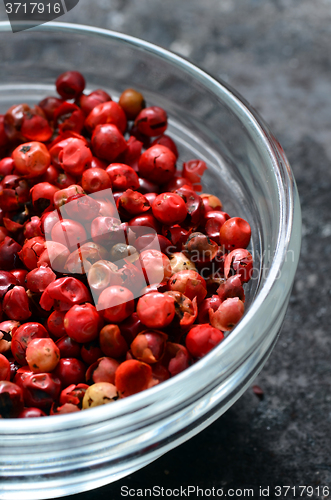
(286, 193)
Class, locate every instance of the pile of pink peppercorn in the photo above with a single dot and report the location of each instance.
(86, 317)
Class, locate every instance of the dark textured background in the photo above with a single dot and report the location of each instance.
(276, 53)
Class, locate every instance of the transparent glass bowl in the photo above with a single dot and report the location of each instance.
(247, 168)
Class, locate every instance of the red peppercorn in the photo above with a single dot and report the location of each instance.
(160, 372)
(69, 118)
(55, 324)
(82, 208)
(69, 233)
(211, 203)
(228, 314)
(213, 303)
(199, 248)
(74, 156)
(132, 102)
(9, 250)
(22, 122)
(122, 177)
(88, 102)
(131, 327)
(108, 142)
(82, 323)
(108, 230)
(156, 310)
(31, 159)
(55, 256)
(186, 310)
(6, 329)
(145, 220)
(7, 281)
(152, 121)
(11, 399)
(13, 120)
(70, 371)
(213, 221)
(177, 182)
(177, 235)
(132, 203)
(81, 260)
(38, 279)
(116, 303)
(20, 275)
(177, 358)
(33, 228)
(149, 346)
(133, 376)
(35, 126)
(239, 261)
(95, 179)
(166, 141)
(64, 180)
(112, 343)
(147, 187)
(132, 153)
(169, 208)
(144, 139)
(51, 175)
(193, 170)
(68, 347)
(103, 370)
(56, 149)
(107, 204)
(21, 338)
(103, 274)
(15, 227)
(42, 195)
(194, 206)
(14, 193)
(73, 394)
(235, 233)
(106, 113)
(42, 355)
(70, 84)
(190, 283)
(49, 105)
(180, 262)
(16, 304)
(91, 352)
(64, 293)
(61, 197)
(231, 288)
(39, 389)
(156, 266)
(157, 164)
(153, 241)
(201, 339)
(31, 251)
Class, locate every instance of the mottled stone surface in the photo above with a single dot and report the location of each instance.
(276, 53)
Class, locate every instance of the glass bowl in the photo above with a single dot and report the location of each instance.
(247, 169)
